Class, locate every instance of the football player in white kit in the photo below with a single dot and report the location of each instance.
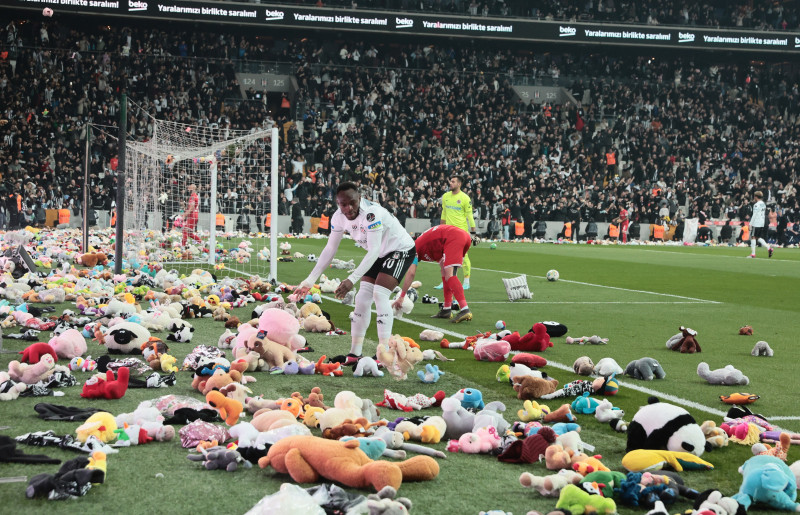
(390, 251)
(758, 225)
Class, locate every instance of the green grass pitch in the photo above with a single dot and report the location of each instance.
(637, 296)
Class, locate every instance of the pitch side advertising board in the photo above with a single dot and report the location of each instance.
(519, 29)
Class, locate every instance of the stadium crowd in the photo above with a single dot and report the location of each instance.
(711, 13)
(666, 138)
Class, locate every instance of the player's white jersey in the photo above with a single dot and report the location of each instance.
(372, 217)
(759, 214)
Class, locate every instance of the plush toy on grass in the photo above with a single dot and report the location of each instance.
(367, 366)
(220, 458)
(606, 367)
(550, 486)
(228, 409)
(394, 400)
(645, 369)
(398, 356)
(606, 386)
(578, 502)
(728, 375)
(529, 387)
(767, 481)
(482, 441)
(10, 389)
(32, 374)
(642, 460)
(684, 341)
(309, 458)
(605, 412)
(583, 366)
(660, 425)
(33, 353)
(108, 386)
(586, 340)
(762, 348)
(431, 373)
(100, 425)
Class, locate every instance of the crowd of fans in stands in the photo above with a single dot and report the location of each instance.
(710, 13)
(666, 138)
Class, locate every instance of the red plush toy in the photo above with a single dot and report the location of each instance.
(109, 388)
(529, 360)
(328, 369)
(536, 339)
(34, 352)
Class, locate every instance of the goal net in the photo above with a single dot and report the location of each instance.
(202, 195)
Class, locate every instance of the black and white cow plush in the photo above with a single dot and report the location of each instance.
(660, 425)
(180, 331)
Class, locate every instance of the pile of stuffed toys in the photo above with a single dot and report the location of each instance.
(122, 329)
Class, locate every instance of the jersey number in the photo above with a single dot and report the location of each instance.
(389, 263)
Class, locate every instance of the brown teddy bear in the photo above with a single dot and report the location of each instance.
(684, 341)
(219, 378)
(530, 387)
(274, 354)
(308, 458)
(315, 398)
(91, 259)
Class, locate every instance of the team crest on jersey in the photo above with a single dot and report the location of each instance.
(396, 255)
(370, 217)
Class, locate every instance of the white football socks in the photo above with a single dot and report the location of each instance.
(384, 314)
(362, 313)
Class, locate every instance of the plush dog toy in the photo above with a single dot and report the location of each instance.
(684, 341)
(308, 458)
(228, 409)
(728, 375)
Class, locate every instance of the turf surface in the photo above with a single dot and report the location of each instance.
(635, 296)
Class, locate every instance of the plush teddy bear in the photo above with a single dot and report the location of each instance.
(767, 480)
(528, 387)
(762, 348)
(307, 458)
(645, 369)
(219, 378)
(684, 341)
(746, 330)
(69, 344)
(273, 354)
(607, 366)
(583, 366)
(32, 374)
(108, 386)
(431, 373)
(10, 389)
(727, 375)
(34, 352)
(316, 324)
(550, 486)
(398, 356)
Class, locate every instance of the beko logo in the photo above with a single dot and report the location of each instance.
(273, 15)
(685, 37)
(404, 23)
(564, 32)
(133, 5)
(797, 42)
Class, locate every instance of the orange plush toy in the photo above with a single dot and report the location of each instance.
(328, 369)
(228, 409)
(309, 458)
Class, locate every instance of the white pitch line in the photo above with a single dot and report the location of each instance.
(661, 395)
(605, 286)
(586, 302)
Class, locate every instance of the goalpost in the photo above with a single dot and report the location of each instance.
(235, 174)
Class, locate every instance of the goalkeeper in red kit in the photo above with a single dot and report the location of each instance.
(446, 245)
(191, 215)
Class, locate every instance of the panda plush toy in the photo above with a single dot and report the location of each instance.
(125, 338)
(180, 331)
(660, 425)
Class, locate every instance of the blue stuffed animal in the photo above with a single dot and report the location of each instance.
(471, 398)
(767, 480)
(585, 404)
(431, 374)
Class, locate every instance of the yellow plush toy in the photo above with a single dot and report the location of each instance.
(640, 460)
(101, 425)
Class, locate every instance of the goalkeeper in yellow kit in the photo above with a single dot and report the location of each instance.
(457, 211)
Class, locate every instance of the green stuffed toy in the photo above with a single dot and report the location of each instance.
(609, 479)
(579, 502)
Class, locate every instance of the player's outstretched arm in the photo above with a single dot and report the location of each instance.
(324, 261)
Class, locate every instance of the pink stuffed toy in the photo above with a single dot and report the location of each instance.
(399, 401)
(32, 374)
(482, 441)
(69, 344)
(491, 350)
(281, 327)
